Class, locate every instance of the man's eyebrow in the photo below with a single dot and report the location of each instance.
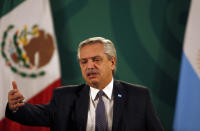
(83, 58)
(96, 56)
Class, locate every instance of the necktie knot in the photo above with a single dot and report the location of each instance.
(100, 93)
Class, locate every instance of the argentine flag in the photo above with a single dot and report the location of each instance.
(187, 114)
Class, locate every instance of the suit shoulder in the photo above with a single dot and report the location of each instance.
(133, 90)
(69, 89)
(133, 87)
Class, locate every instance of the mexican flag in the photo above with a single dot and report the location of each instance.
(29, 56)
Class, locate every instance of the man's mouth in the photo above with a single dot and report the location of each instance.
(91, 74)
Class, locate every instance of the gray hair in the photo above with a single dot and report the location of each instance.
(109, 48)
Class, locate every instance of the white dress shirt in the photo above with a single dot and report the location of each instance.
(108, 101)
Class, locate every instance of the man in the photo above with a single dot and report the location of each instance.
(102, 104)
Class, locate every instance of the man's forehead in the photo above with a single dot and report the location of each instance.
(92, 57)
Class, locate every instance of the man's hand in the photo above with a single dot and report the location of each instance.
(15, 98)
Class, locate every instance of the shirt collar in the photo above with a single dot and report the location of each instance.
(107, 90)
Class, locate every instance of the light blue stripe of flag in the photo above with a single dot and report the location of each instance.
(187, 114)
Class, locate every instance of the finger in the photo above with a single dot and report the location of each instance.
(16, 97)
(15, 107)
(11, 107)
(13, 101)
(20, 104)
(12, 92)
(14, 84)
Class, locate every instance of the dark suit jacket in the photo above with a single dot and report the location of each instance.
(68, 110)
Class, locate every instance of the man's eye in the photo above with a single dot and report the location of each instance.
(97, 59)
(83, 61)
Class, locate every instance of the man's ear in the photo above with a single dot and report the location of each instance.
(113, 61)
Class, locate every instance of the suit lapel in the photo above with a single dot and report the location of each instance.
(80, 112)
(81, 108)
(120, 96)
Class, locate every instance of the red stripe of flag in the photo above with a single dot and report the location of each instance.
(42, 97)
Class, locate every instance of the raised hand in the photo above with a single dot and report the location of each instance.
(15, 98)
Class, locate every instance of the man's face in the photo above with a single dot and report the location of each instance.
(95, 67)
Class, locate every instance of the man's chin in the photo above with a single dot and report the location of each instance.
(93, 82)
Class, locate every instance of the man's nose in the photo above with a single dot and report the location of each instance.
(90, 64)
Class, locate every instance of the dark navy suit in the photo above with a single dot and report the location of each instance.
(68, 110)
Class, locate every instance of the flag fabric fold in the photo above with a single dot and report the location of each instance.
(187, 112)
